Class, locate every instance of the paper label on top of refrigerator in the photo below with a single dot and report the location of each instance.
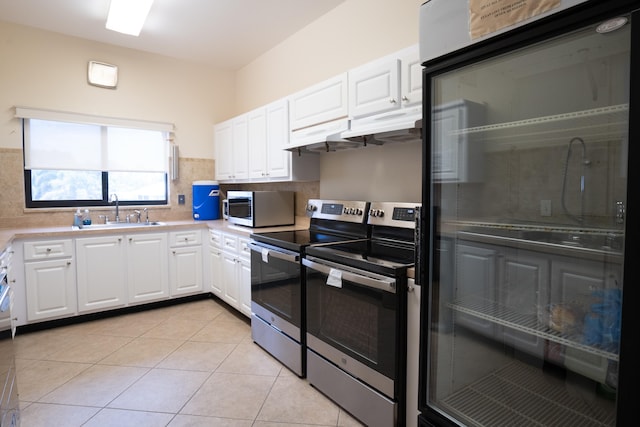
(334, 278)
(489, 16)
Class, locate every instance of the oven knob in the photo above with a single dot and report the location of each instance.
(359, 212)
(311, 208)
(350, 211)
(373, 212)
(380, 213)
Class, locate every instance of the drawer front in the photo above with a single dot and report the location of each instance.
(243, 247)
(215, 239)
(230, 242)
(185, 238)
(47, 249)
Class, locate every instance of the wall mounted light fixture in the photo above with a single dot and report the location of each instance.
(102, 75)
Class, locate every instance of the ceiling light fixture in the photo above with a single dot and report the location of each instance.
(128, 16)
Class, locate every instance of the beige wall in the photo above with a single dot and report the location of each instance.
(354, 33)
(47, 70)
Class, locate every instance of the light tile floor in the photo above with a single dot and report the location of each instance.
(192, 364)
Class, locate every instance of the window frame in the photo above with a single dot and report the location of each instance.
(27, 114)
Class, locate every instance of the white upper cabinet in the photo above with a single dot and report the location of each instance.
(410, 77)
(257, 134)
(319, 111)
(319, 103)
(263, 135)
(278, 160)
(223, 148)
(231, 142)
(374, 88)
(386, 84)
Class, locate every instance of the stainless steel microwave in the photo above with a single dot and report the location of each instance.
(261, 208)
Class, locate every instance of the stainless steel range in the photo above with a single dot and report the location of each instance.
(357, 316)
(278, 279)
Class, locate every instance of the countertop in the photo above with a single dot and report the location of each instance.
(7, 235)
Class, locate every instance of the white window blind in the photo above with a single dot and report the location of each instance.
(69, 141)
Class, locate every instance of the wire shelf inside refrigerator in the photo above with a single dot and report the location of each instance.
(521, 395)
(528, 323)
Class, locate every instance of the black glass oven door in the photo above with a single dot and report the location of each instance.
(276, 288)
(355, 315)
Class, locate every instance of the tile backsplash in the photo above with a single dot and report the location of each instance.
(14, 215)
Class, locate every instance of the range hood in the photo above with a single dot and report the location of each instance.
(394, 126)
(322, 138)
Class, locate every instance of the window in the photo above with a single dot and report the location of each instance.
(75, 160)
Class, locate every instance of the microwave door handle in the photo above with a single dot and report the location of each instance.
(275, 254)
(387, 285)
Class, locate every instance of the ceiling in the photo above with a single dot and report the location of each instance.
(226, 34)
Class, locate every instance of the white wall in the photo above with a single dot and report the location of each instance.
(47, 70)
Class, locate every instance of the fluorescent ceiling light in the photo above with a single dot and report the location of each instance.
(128, 16)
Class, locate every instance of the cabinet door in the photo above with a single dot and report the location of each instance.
(278, 159)
(223, 144)
(147, 272)
(257, 139)
(475, 286)
(244, 280)
(523, 289)
(410, 77)
(231, 287)
(102, 280)
(374, 88)
(216, 278)
(51, 289)
(573, 283)
(185, 265)
(240, 147)
(323, 102)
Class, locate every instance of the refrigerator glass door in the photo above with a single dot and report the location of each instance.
(529, 158)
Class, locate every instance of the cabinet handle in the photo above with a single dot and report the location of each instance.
(68, 263)
(174, 252)
(130, 239)
(392, 101)
(48, 250)
(119, 239)
(405, 99)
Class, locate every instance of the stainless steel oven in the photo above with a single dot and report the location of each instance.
(278, 281)
(357, 316)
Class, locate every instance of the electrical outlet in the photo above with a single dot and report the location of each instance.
(545, 207)
(181, 199)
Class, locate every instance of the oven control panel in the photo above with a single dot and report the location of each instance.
(338, 210)
(393, 214)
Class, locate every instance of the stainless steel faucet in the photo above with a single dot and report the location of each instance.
(114, 198)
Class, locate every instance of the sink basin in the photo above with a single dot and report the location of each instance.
(115, 225)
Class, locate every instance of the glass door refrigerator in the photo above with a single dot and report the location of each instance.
(527, 245)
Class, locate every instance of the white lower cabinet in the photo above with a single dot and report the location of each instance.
(50, 279)
(101, 276)
(185, 262)
(147, 270)
(230, 270)
(244, 276)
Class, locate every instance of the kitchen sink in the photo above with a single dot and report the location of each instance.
(609, 241)
(115, 225)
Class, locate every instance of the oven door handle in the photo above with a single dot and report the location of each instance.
(273, 253)
(387, 285)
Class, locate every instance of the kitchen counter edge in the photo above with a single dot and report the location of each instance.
(8, 235)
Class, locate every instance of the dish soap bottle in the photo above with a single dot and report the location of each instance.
(86, 219)
(77, 219)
